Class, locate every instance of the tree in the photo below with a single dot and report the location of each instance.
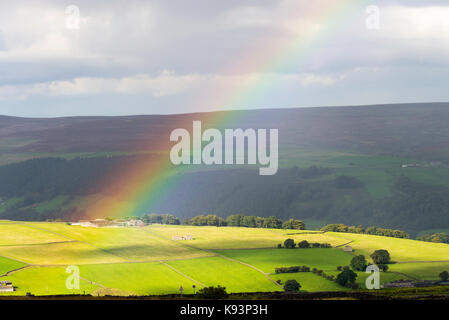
(358, 263)
(380, 257)
(444, 276)
(218, 292)
(292, 286)
(234, 220)
(289, 244)
(272, 222)
(346, 278)
(249, 221)
(303, 244)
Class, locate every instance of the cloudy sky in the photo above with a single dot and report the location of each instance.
(111, 57)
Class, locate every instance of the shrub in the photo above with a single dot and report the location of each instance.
(279, 245)
(304, 244)
(293, 269)
(339, 268)
(218, 292)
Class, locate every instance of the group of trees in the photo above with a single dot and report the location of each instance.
(370, 230)
(209, 220)
(239, 220)
(292, 286)
(381, 258)
(304, 244)
(293, 269)
(441, 237)
(347, 277)
(323, 274)
(212, 292)
(160, 219)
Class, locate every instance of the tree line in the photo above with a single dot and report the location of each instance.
(440, 237)
(370, 230)
(239, 220)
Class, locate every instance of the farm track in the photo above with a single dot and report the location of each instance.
(14, 271)
(94, 283)
(182, 274)
(36, 244)
(344, 244)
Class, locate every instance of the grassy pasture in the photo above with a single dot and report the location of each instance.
(45, 281)
(401, 250)
(138, 278)
(219, 271)
(309, 281)
(133, 244)
(126, 261)
(268, 259)
(20, 234)
(384, 277)
(59, 254)
(238, 238)
(421, 271)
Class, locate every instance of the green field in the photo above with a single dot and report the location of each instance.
(310, 282)
(138, 278)
(240, 238)
(219, 271)
(421, 271)
(268, 259)
(46, 281)
(401, 250)
(146, 261)
(20, 234)
(9, 265)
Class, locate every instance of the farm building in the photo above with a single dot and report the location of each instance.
(83, 223)
(135, 223)
(347, 249)
(6, 286)
(102, 223)
(187, 237)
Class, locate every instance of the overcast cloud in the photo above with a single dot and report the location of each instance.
(171, 56)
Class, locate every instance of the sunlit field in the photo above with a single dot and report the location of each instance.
(146, 261)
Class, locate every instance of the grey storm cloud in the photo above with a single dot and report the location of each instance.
(134, 57)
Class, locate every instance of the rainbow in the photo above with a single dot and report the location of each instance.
(136, 188)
